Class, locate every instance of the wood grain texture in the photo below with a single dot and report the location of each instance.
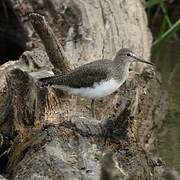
(64, 142)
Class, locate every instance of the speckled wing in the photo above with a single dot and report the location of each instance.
(83, 76)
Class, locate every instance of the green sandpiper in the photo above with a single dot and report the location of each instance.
(96, 79)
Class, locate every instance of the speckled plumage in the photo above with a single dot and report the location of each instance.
(95, 76)
(96, 79)
(83, 76)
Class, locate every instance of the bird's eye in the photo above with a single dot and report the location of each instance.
(128, 54)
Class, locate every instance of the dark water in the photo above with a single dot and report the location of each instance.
(169, 142)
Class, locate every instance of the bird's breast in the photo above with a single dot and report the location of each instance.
(98, 90)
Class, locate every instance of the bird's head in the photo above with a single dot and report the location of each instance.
(127, 56)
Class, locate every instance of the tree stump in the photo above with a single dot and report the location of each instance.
(49, 134)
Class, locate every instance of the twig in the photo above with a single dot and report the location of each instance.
(53, 47)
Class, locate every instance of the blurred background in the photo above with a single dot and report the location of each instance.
(164, 22)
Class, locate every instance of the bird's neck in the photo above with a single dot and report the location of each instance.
(121, 70)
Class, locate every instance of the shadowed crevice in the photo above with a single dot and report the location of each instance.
(13, 37)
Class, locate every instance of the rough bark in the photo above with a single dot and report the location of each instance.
(50, 134)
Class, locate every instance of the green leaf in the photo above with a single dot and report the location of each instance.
(151, 3)
(163, 27)
(165, 13)
(166, 36)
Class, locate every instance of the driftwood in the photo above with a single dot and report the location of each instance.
(48, 134)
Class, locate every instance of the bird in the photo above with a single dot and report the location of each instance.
(96, 79)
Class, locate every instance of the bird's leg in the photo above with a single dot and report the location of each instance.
(93, 108)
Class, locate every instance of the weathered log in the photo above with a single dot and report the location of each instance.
(54, 136)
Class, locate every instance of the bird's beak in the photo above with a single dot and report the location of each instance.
(141, 60)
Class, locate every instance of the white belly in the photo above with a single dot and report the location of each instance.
(97, 91)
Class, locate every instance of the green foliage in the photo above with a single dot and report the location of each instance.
(151, 3)
(167, 29)
(166, 36)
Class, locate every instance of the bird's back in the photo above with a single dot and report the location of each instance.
(83, 76)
